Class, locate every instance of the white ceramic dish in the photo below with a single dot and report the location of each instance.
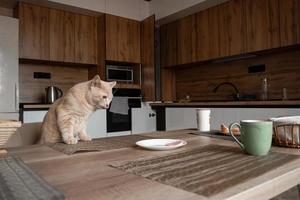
(161, 144)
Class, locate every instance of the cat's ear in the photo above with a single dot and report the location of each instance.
(112, 84)
(96, 81)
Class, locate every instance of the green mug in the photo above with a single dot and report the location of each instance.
(256, 136)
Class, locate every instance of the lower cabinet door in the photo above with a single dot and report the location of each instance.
(143, 119)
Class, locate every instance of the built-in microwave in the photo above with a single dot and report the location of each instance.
(119, 73)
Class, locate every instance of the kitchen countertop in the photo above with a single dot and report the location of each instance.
(89, 176)
(211, 104)
(34, 106)
(232, 104)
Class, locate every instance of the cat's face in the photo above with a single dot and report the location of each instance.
(101, 92)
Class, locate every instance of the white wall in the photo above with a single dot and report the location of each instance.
(133, 9)
(181, 118)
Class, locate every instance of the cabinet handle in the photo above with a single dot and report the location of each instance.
(151, 114)
(16, 97)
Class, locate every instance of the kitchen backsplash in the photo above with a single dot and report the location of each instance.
(282, 71)
(33, 90)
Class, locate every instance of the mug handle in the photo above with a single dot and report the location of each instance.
(231, 133)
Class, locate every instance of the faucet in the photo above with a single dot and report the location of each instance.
(236, 96)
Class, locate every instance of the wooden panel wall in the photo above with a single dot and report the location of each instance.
(33, 90)
(6, 12)
(282, 71)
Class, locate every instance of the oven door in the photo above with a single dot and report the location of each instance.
(117, 122)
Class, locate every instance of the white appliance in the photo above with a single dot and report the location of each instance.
(9, 68)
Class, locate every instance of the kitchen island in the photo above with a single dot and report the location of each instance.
(160, 109)
(90, 175)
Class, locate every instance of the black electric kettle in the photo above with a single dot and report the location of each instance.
(52, 93)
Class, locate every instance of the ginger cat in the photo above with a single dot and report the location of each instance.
(67, 117)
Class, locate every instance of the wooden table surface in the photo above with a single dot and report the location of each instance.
(88, 176)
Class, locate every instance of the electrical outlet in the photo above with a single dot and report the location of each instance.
(256, 68)
(41, 75)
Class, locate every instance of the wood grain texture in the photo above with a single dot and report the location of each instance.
(87, 175)
(62, 36)
(122, 39)
(168, 83)
(207, 30)
(232, 28)
(34, 31)
(282, 71)
(100, 69)
(203, 34)
(33, 90)
(262, 22)
(85, 39)
(289, 22)
(298, 22)
(168, 44)
(147, 58)
(187, 35)
(214, 39)
(6, 12)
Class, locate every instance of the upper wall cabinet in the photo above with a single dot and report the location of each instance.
(85, 39)
(289, 22)
(187, 35)
(168, 44)
(262, 25)
(231, 28)
(55, 35)
(207, 30)
(34, 31)
(62, 36)
(122, 39)
(147, 58)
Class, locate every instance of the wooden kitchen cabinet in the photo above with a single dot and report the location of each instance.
(168, 44)
(34, 31)
(262, 25)
(168, 84)
(85, 39)
(122, 39)
(62, 36)
(187, 39)
(55, 35)
(231, 28)
(147, 58)
(207, 30)
(289, 22)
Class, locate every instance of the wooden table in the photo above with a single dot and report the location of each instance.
(88, 176)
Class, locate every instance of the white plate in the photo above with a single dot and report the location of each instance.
(161, 144)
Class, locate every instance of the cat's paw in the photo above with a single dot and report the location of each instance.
(71, 140)
(85, 138)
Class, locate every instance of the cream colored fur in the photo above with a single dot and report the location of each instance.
(66, 119)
